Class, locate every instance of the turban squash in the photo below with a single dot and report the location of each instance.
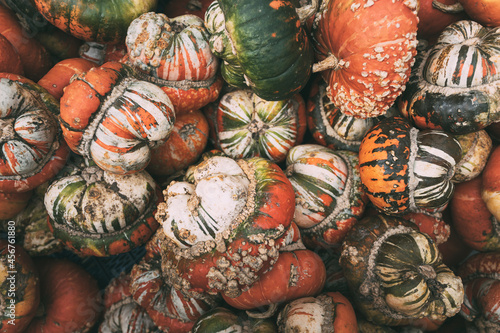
(33, 150)
(246, 125)
(404, 169)
(102, 21)
(455, 84)
(395, 273)
(114, 119)
(225, 224)
(262, 44)
(365, 50)
(174, 53)
(329, 195)
(99, 213)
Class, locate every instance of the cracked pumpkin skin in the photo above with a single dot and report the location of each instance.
(225, 226)
(396, 274)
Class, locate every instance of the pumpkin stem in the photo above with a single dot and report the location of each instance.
(330, 62)
(449, 9)
(307, 11)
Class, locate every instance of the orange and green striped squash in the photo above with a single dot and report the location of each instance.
(404, 169)
(174, 53)
(98, 213)
(114, 119)
(102, 21)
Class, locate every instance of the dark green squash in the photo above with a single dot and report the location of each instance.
(263, 46)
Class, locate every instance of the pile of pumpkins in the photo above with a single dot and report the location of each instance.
(288, 166)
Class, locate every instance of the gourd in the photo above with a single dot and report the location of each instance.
(395, 273)
(404, 169)
(99, 21)
(262, 44)
(223, 226)
(112, 118)
(454, 85)
(365, 51)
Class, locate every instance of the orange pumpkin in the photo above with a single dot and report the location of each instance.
(365, 50)
(59, 76)
(183, 147)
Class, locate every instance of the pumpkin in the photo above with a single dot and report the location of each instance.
(70, 297)
(329, 126)
(121, 312)
(59, 76)
(174, 53)
(114, 119)
(246, 125)
(329, 312)
(220, 320)
(395, 273)
(10, 61)
(404, 169)
(35, 59)
(476, 148)
(32, 144)
(482, 287)
(96, 20)
(472, 220)
(19, 286)
(365, 51)
(184, 146)
(28, 15)
(170, 309)
(329, 195)
(298, 273)
(435, 15)
(59, 44)
(454, 86)
(262, 44)
(223, 226)
(94, 212)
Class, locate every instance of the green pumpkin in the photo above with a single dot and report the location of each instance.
(263, 46)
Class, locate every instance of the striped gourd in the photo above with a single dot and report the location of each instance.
(455, 85)
(102, 213)
(31, 145)
(173, 49)
(246, 125)
(223, 225)
(395, 273)
(404, 169)
(329, 196)
(174, 53)
(114, 119)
